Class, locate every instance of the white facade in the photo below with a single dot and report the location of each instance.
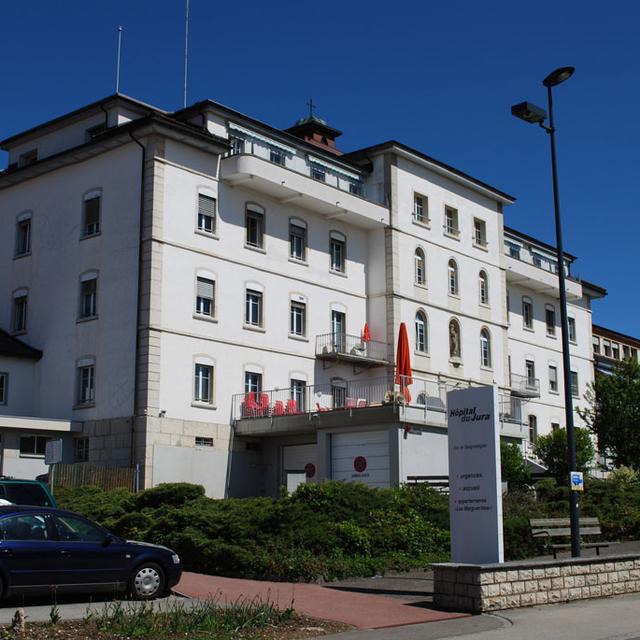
(248, 356)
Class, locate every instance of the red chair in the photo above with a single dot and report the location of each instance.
(350, 403)
(263, 409)
(279, 408)
(249, 405)
(321, 408)
(292, 406)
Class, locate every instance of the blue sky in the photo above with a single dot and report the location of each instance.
(437, 76)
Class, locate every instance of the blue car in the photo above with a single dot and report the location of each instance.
(43, 549)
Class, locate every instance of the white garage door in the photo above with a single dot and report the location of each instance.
(361, 456)
(299, 465)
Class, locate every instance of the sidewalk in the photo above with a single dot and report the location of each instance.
(362, 610)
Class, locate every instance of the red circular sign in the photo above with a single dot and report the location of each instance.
(360, 464)
(310, 469)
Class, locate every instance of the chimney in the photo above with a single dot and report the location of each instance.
(317, 132)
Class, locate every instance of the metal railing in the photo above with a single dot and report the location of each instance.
(525, 385)
(343, 344)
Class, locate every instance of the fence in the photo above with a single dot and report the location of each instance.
(79, 474)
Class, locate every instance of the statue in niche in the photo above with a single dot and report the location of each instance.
(454, 340)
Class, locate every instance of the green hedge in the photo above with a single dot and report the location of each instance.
(333, 529)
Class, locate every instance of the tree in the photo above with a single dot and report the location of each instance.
(513, 466)
(552, 451)
(614, 413)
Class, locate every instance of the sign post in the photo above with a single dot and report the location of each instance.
(52, 456)
(475, 488)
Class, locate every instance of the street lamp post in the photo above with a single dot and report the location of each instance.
(535, 115)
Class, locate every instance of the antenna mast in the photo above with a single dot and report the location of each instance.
(118, 59)
(186, 49)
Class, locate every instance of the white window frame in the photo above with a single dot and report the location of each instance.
(203, 383)
(420, 212)
(258, 215)
(453, 283)
(95, 228)
(527, 318)
(297, 233)
(202, 281)
(575, 388)
(479, 232)
(297, 319)
(299, 392)
(421, 332)
(451, 221)
(420, 267)
(550, 328)
(86, 386)
(207, 211)
(337, 240)
(485, 348)
(483, 287)
(253, 382)
(92, 297)
(23, 241)
(553, 378)
(571, 326)
(254, 307)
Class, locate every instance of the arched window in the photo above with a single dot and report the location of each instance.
(455, 350)
(420, 267)
(485, 348)
(453, 278)
(483, 284)
(421, 332)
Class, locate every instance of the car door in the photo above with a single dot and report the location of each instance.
(27, 550)
(89, 555)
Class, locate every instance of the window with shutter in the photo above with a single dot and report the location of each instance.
(206, 214)
(205, 297)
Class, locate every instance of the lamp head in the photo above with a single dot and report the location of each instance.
(558, 76)
(529, 112)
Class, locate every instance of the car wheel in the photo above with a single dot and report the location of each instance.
(147, 581)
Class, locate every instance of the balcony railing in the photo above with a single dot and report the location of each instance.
(342, 346)
(524, 386)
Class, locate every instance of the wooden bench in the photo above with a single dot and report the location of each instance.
(561, 528)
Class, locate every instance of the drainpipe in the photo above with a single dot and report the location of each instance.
(139, 288)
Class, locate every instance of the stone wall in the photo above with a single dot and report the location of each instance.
(510, 585)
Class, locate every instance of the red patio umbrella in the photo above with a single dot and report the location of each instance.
(403, 363)
(366, 334)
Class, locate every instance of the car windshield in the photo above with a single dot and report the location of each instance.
(31, 494)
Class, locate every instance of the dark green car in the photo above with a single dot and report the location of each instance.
(28, 492)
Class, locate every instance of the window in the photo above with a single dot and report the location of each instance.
(298, 319)
(453, 278)
(339, 393)
(33, 446)
(455, 349)
(20, 313)
(91, 215)
(297, 241)
(203, 383)
(276, 156)
(81, 449)
(483, 284)
(337, 252)
(255, 227)
(420, 267)
(23, 237)
(634, 353)
(596, 344)
(237, 145)
(553, 379)
(206, 214)
(530, 369)
(24, 527)
(451, 221)
(338, 330)
(317, 173)
(86, 384)
(252, 382)
(421, 332)
(555, 426)
(479, 232)
(625, 351)
(575, 389)
(537, 259)
(203, 441)
(572, 329)
(550, 319)
(356, 188)
(420, 208)
(205, 297)
(4, 383)
(514, 250)
(74, 529)
(88, 296)
(298, 393)
(615, 350)
(607, 347)
(253, 308)
(533, 428)
(485, 349)
(527, 313)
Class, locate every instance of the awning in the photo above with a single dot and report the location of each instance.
(264, 139)
(332, 167)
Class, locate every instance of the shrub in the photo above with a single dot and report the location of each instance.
(173, 493)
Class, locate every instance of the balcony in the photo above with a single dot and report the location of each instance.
(353, 403)
(342, 347)
(525, 387)
(290, 186)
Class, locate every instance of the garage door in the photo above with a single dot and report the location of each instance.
(298, 465)
(362, 457)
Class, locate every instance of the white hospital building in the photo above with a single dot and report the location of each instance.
(188, 292)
